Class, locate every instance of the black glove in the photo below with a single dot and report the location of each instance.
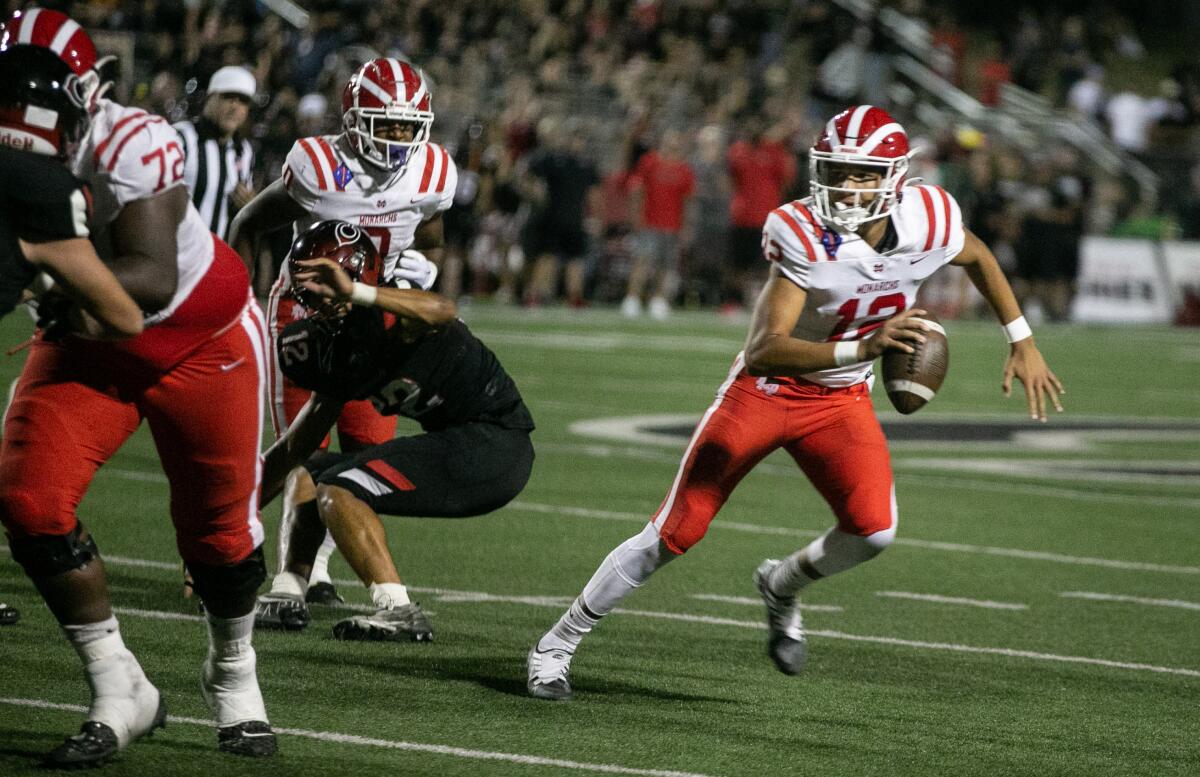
(54, 315)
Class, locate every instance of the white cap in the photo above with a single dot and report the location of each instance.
(233, 79)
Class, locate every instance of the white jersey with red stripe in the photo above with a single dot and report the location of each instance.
(328, 179)
(131, 155)
(852, 289)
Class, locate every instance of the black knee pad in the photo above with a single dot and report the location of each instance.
(49, 555)
(221, 585)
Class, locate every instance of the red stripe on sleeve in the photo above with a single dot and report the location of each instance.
(816, 225)
(428, 174)
(130, 136)
(112, 135)
(796, 228)
(928, 215)
(445, 165)
(390, 474)
(312, 154)
(333, 164)
(946, 203)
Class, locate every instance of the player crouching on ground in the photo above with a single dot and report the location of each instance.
(405, 351)
(846, 264)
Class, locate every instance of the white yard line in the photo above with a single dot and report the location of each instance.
(556, 603)
(758, 602)
(937, 599)
(1131, 600)
(391, 744)
(954, 547)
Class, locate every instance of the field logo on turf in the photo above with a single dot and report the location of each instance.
(1068, 450)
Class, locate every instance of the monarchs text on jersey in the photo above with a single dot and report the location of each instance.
(852, 289)
(326, 177)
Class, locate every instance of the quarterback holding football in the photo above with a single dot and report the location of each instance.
(846, 264)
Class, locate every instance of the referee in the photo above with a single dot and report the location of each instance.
(217, 168)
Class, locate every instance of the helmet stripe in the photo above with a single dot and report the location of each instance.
(28, 23)
(376, 91)
(832, 131)
(64, 35)
(854, 125)
(397, 69)
(407, 77)
(876, 137)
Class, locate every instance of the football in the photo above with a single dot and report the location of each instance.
(912, 379)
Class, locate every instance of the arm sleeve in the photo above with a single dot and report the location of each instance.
(784, 243)
(148, 161)
(445, 197)
(300, 177)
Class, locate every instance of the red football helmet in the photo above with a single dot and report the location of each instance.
(42, 105)
(864, 137)
(386, 91)
(345, 244)
(62, 35)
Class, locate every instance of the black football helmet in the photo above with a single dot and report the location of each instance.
(345, 244)
(43, 104)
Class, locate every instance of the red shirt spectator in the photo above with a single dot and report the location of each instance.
(760, 175)
(666, 184)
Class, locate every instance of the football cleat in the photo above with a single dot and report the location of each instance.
(549, 674)
(785, 629)
(253, 739)
(280, 611)
(96, 743)
(8, 615)
(323, 592)
(406, 623)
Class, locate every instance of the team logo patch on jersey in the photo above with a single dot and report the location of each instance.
(832, 241)
(343, 176)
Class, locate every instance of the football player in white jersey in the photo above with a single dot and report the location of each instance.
(382, 174)
(198, 363)
(846, 263)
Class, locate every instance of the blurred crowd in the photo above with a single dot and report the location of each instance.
(627, 151)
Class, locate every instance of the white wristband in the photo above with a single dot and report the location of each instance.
(1017, 330)
(846, 352)
(363, 294)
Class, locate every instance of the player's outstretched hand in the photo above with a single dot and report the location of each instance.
(1026, 364)
(896, 333)
(326, 278)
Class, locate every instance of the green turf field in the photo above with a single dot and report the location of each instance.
(1039, 613)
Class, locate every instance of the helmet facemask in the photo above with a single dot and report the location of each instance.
(366, 128)
(844, 204)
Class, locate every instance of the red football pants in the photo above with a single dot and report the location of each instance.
(832, 434)
(359, 426)
(77, 402)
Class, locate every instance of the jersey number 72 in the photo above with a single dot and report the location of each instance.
(160, 155)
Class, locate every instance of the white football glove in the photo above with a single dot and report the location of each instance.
(412, 266)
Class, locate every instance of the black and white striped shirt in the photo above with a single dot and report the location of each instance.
(212, 170)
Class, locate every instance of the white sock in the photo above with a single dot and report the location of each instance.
(625, 569)
(122, 698)
(320, 567)
(834, 551)
(230, 681)
(289, 584)
(389, 595)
